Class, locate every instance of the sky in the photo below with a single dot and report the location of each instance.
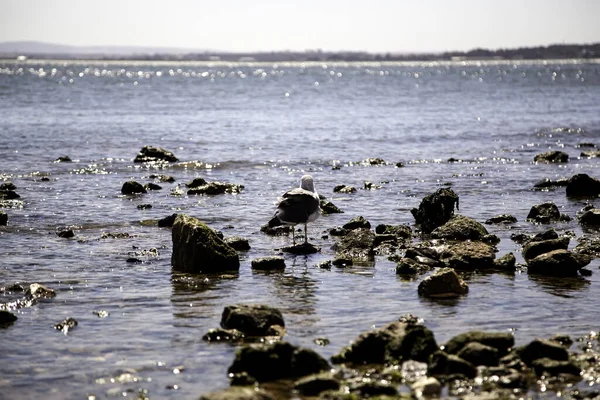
(331, 25)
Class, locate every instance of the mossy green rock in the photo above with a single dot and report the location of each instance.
(198, 249)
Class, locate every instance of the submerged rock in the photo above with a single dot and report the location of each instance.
(549, 183)
(8, 194)
(582, 185)
(269, 263)
(238, 243)
(6, 318)
(435, 209)
(65, 233)
(66, 325)
(215, 188)
(154, 154)
(358, 245)
(502, 219)
(544, 213)
(554, 156)
(252, 319)
(460, 227)
(558, 263)
(223, 335)
(344, 189)
(443, 283)
(198, 248)
(356, 223)
(590, 153)
(63, 159)
(133, 187)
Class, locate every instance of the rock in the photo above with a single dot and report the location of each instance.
(408, 266)
(313, 385)
(588, 245)
(520, 238)
(66, 325)
(8, 186)
(269, 263)
(152, 186)
(544, 213)
(548, 366)
(65, 233)
(401, 231)
(590, 153)
(342, 262)
(442, 364)
(502, 219)
(215, 188)
(546, 235)
(238, 243)
(196, 182)
(435, 209)
(479, 354)
(163, 178)
(395, 342)
(154, 154)
(279, 360)
(344, 189)
(582, 185)
(370, 186)
(3, 218)
(356, 223)
(198, 248)
(542, 348)
(590, 218)
(373, 161)
(367, 388)
(549, 183)
(133, 187)
(39, 291)
(144, 206)
(552, 157)
(167, 221)
(501, 341)
(252, 319)
(338, 231)
(469, 256)
(460, 227)
(6, 318)
(557, 263)
(385, 239)
(534, 248)
(302, 248)
(63, 159)
(563, 340)
(507, 262)
(327, 207)
(223, 335)
(443, 283)
(358, 246)
(238, 393)
(9, 195)
(426, 387)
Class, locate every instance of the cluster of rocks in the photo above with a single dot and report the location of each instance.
(8, 198)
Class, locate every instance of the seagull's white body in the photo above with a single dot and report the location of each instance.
(299, 206)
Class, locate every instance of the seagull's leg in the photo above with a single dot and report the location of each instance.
(305, 235)
(293, 235)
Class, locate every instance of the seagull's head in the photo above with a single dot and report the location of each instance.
(307, 183)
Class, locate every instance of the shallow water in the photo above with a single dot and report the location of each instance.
(263, 126)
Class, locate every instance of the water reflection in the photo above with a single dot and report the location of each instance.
(562, 286)
(296, 289)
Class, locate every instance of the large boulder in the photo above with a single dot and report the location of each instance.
(154, 154)
(443, 283)
(558, 263)
(435, 209)
(582, 185)
(554, 156)
(358, 245)
(198, 248)
(460, 227)
(252, 319)
(469, 256)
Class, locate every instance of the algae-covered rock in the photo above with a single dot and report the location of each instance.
(443, 283)
(198, 248)
(251, 319)
(558, 263)
(269, 263)
(507, 263)
(401, 231)
(460, 227)
(133, 187)
(358, 245)
(553, 156)
(409, 266)
(154, 154)
(468, 256)
(583, 185)
(501, 341)
(327, 207)
(344, 189)
(435, 209)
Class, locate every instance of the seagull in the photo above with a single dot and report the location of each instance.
(299, 206)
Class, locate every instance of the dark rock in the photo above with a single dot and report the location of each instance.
(3, 218)
(542, 348)
(269, 263)
(426, 387)
(519, 237)
(279, 360)
(66, 325)
(63, 159)
(6, 318)
(590, 218)
(468, 256)
(152, 186)
(546, 235)
(356, 223)
(9, 195)
(163, 178)
(590, 154)
(502, 219)
(582, 185)
(401, 231)
(460, 227)
(442, 364)
(507, 262)
(134, 260)
(585, 144)
(552, 157)
(238, 393)
(443, 283)
(385, 238)
(198, 248)
(373, 161)
(133, 187)
(196, 182)
(328, 207)
(167, 221)
(397, 341)
(338, 231)
(533, 249)
(548, 366)
(301, 249)
(65, 233)
(548, 183)
(557, 263)
(342, 262)
(238, 243)
(215, 188)
(344, 189)
(251, 319)
(370, 186)
(223, 335)
(144, 206)
(479, 354)
(563, 340)
(501, 341)
(408, 266)
(314, 384)
(242, 379)
(154, 154)
(589, 246)
(324, 264)
(399, 164)
(544, 213)
(371, 388)
(8, 186)
(435, 209)
(357, 245)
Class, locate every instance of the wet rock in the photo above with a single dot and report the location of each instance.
(373, 161)
(65, 233)
(534, 248)
(327, 207)
(8, 186)
(502, 219)
(133, 187)
(479, 354)
(356, 223)
(435, 209)
(542, 348)
(546, 235)
(519, 238)
(163, 178)
(6, 318)
(66, 325)
(167, 221)
(9, 195)
(557, 263)
(370, 186)
(563, 340)
(589, 246)
(544, 213)
(460, 227)
(198, 248)
(408, 266)
(252, 319)
(342, 262)
(468, 256)
(279, 360)
(269, 263)
(116, 235)
(154, 154)
(238, 243)
(144, 206)
(357, 245)
(152, 186)
(443, 364)
(554, 156)
(401, 231)
(582, 185)
(344, 189)
(590, 153)
(338, 231)
(63, 159)
(223, 335)
(443, 283)
(397, 341)
(238, 393)
(385, 239)
(301, 249)
(590, 218)
(366, 388)
(101, 313)
(3, 218)
(507, 262)
(548, 366)
(313, 385)
(399, 164)
(549, 183)
(426, 387)
(501, 341)
(196, 182)
(585, 144)
(39, 291)
(215, 188)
